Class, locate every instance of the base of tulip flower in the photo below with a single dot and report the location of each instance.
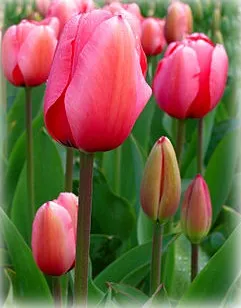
(83, 229)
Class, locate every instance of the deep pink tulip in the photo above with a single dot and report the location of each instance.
(65, 9)
(96, 89)
(53, 239)
(196, 212)
(152, 36)
(70, 202)
(190, 79)
(28, 50)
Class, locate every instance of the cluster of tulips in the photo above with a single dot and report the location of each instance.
(93, 61)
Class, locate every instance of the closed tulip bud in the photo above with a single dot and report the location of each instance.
(196, 212)
(161, 182)
(70, 202)
(96, 88)
(178, 21)
(190, 79)
(53, 240)
(152, 36)
(28, 50)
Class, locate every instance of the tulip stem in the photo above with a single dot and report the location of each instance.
(29, 150)
(194, 265)
(156, 257)
(83, 229)
(57, 291)
(200, 147)
(69, 169)
(180, 139)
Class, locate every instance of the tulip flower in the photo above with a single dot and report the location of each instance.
(152, 36)
(53, 240)
(161, 182)
(96, 88)
(190, 79)
(196, 212)
(65, 9)
(42, 6)
(178, 21)
(70, 202)
(28, 50)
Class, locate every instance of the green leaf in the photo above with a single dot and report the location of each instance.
(128, 262)
(49, 182)
(144, 228)
(220, 171)
(213, 283)
(30, 282)
(137, 275)
(159, 297)
(16, 115)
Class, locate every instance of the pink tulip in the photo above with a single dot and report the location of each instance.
(152, 36)
(28, 50)
(65, 9)
(190, 79)
(70, 202)
(96, 89)
(53, 240)
(196, 212)
(42, 6)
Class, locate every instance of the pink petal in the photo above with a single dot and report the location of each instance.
(36, 55)
(176, 81)
(218, 74)
(102, 101)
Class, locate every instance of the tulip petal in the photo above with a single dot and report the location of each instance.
(102, 109)
(218, 74)
(36, 55)
(176, 82)
(53, 242)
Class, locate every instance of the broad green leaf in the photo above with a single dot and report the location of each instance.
(107, 302)
(16, 162)
(144, 228)
(16, 115)
(137, 275)
(30, 282)
(220, 171)
(159, 298)
(9, 302)
(49, 182)
(214, 281)
(131, 260)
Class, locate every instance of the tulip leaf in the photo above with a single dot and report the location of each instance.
(220, 171)
(30, 282)
(128, 262)
(48, 176)
(215, 280)
(16, 115)
(144, 228)
(137, 275)
(159, 297)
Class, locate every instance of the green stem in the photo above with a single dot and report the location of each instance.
(180, 139)
(200, 147)
(194, 264)
(57, 291)
(69, 170)
(83, 230)
(29, 149)
(156, 257)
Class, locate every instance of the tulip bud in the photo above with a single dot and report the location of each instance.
(178, 21)
(70, 202)
(152, 36)
(196, 212)
(53, 240)
(161, 182)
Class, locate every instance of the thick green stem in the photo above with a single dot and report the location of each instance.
(83, 230)
(194, 264)
(29, 150)
(180, 139)
(57, 291)
(200, 147)
(156, 257)
(69, 169)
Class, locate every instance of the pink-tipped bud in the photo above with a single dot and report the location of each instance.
(179, 21)
(70, 202)
(161, 183)
(196, 212)
(53, 240)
